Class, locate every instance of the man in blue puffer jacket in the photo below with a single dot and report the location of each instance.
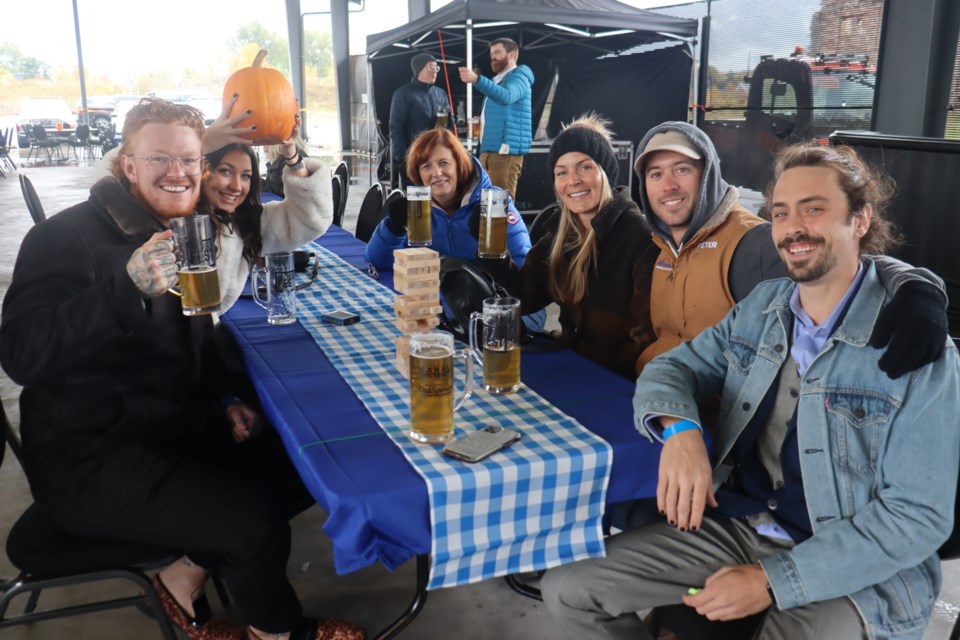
(507, 114)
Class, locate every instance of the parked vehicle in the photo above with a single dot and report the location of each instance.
(790, 100)
(52, 114)
(99, 109)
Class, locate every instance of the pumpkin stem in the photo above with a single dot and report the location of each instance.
(261, 56)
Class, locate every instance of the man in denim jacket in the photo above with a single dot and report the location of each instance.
(837, 483)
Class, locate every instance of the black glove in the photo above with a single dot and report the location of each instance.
(397, 216)
(474, 222)
(915, 326)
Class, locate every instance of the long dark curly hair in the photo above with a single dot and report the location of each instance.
(245, 219)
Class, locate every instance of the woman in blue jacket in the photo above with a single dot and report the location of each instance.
(438, 160)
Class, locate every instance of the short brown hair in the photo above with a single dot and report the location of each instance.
(153, 111)
(507, 44)
(862, 184)
(424, 144)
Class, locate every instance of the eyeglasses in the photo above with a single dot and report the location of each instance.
(160, 164)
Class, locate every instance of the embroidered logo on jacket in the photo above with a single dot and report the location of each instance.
(512, 218)
(707, 245)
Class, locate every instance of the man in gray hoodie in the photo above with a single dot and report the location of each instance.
(713, 252)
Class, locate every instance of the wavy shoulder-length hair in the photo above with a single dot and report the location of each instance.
(425, 144)
(246, 217)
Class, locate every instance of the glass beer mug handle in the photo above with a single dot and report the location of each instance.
(468, 383)
(475, 318)
(255, 285)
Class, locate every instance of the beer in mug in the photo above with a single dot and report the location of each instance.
(419, 227)
(497, 346)
(443, 119)
(432, 400)
(193, 244)
(200, 289)
(474, 128)
(492, 242)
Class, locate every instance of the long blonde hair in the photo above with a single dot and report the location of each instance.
(568, 283)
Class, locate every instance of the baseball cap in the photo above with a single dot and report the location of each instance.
(667, 141)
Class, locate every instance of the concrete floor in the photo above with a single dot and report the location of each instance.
(372, 597)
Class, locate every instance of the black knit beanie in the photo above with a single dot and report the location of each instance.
(419, 61)
(585, 139)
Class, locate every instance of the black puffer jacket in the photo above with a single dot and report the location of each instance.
(611, 324)
(100, 366)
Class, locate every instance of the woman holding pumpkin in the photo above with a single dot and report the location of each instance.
(247, 228)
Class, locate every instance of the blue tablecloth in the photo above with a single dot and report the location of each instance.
(376, 503)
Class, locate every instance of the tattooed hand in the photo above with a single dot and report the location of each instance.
(153, 267)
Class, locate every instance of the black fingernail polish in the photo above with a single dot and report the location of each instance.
(249, 111)
(682, 530)
(694, 529)
(236, 95)
(671, 522)
(662, 512)
(254, 127)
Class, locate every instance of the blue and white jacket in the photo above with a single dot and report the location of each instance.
(507, 112)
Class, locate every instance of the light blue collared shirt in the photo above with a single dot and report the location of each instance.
(808, 337)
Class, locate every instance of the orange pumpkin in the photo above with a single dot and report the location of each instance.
(269, 95)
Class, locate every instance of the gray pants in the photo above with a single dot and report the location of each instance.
(656, 565)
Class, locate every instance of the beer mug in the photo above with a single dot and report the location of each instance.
(432, 401)
(492, 242)
(500, 343)
(419, 226)
(281, 301)
(475, 129)
(443, 118)
(195, 248)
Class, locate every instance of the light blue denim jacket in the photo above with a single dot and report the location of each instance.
(879, 457)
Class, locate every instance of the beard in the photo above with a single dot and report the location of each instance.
(814, 267)
(497, 66)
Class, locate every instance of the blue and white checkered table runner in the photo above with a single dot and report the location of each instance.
(535, 505)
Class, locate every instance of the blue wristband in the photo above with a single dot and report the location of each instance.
(677, 427)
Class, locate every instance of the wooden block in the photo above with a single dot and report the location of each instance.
(417, 273)
(403, 285)
(423, 324)
(403, 355)
(407, 257)
(416, 313)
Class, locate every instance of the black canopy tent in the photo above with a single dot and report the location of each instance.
(630, 65)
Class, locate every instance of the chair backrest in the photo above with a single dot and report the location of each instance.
(545, 221)
(393, 195)
(337, 197)
(344, 172)
(39, 132)
(9, 437)
(371, 212)
(33, 200)
(83, 133)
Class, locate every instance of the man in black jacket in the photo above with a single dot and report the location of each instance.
(123, 435)
(414, 109)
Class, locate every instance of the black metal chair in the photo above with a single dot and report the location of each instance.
(371, 212)
(545, 221)
(41, 141)
(80, 141)
(344, 172)
(337, 191)
(33, 200)
(47, 558)
(7, 142)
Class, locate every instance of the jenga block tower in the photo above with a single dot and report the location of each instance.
(416, 275)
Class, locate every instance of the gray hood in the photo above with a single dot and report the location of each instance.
(712, 185)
